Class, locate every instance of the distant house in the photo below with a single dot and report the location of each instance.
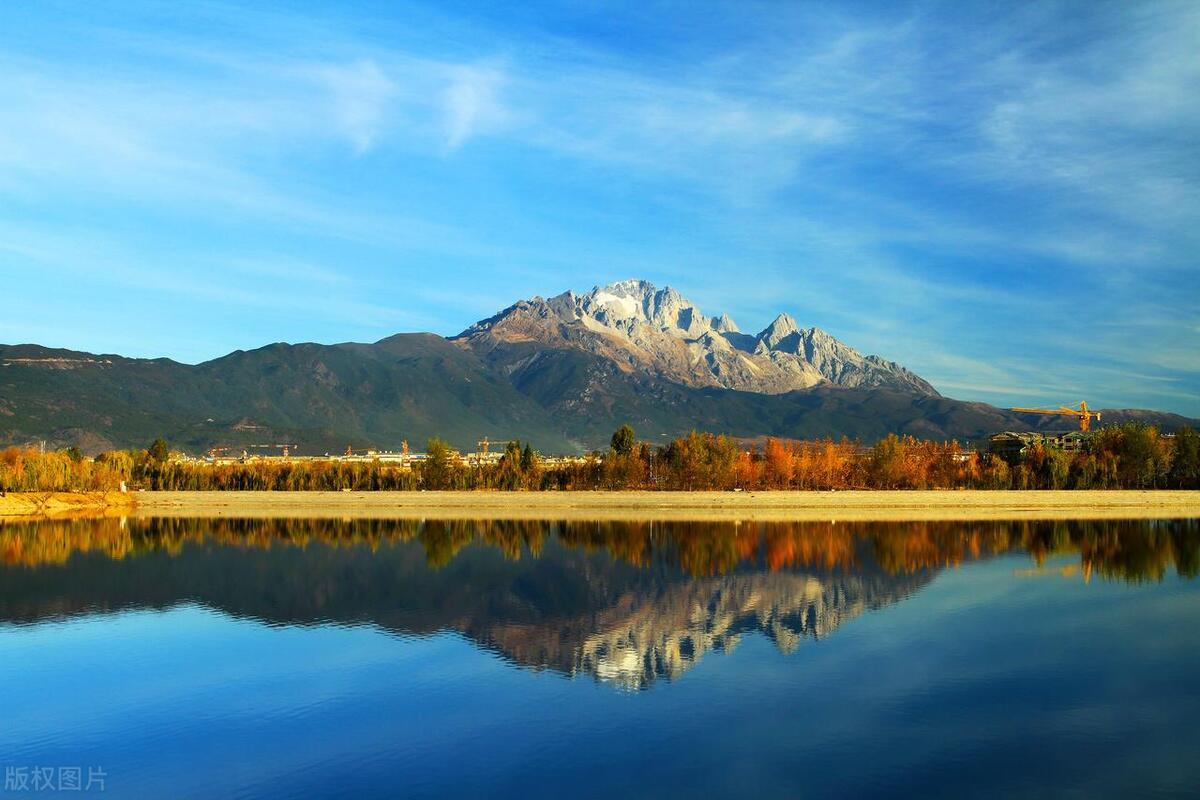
(1012, 446)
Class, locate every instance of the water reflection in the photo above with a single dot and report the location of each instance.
(627, 603)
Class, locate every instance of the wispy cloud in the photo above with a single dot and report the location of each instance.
(472, 103)
(953, 190)
(359, 93)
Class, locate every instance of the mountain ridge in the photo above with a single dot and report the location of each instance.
(561, 373)
(638, 325)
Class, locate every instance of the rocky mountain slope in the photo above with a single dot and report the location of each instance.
(641, 328)
(562, 373)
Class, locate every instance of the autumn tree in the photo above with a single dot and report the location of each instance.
(777, 464)
(886, 463)
(700, 461)
(1135, 454)
(440, 468)
(747, 474)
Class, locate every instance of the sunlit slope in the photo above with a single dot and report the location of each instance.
(590, 396)
(412, 386)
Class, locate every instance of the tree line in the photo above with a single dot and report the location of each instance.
(1129, 456)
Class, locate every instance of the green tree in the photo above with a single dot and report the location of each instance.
(440, 468)
(75, 454)
(699, 461)
(1136, 452)
(509, 474)
(1185, 465)
(159, 451)
(623, 441)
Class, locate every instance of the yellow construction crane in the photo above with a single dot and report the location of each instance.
(1067, 571)
(483, 444)
(1084, 416)
(287, 448)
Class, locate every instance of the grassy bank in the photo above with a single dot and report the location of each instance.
(781, 505)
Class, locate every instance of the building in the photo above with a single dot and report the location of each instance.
(1012, 446)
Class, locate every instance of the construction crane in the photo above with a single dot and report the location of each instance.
(1067, 571)
(285, 447)
(483, 445)
(1084, 416)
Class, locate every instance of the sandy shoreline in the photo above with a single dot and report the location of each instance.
(861, 505)
(865, 505)
(64, 504)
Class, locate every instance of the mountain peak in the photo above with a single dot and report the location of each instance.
(724, 324)
(630, 286)
(642, 328)
(782, 324)
(782, 334)
(626, 304)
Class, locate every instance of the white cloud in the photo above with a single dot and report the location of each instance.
(821, 165)
(1109, 124)
(360, 93)
(471, 103)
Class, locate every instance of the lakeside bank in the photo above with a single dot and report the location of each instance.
(59, 504)
(698, 506)
(873, 505)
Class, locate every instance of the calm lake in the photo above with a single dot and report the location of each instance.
(371, 658)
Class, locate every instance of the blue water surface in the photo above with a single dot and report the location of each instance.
(199, 670)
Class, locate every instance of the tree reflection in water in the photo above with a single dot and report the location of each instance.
(624, 602)
(1132, 550)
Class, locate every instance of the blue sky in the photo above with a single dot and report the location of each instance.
(1003, 197)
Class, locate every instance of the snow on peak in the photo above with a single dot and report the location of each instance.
(624, 302)
(632, 286)
(620, 306)
(664, 332)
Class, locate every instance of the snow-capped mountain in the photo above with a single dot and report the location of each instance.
(562, 373)
(641, 327)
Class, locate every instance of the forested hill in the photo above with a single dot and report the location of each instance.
(413, 386)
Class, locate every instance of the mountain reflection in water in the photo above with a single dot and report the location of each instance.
(627, 603)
